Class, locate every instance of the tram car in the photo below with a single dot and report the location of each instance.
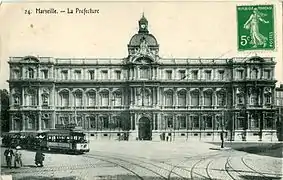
(65, 140)
(58, 140)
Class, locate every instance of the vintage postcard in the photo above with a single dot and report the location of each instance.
(141, 90)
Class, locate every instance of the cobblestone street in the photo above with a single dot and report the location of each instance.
(150, 160)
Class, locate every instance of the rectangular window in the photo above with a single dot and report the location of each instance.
(195, 120)
(92, 122)
(195, 74)
(104, 74)
(64, 75)
(65, 100)
(169, 74)
(118, 74)
(16, 74)
(169, 121)
(91, 74)
(209, 122)
(182, 122)
(240, 74)
(267, 74)
(91, 99)
(221, 74)
(44, 74)
(182, 74)
(78, 74)
(105, 122)
(207, 75)
(30, 123)
(144, 73)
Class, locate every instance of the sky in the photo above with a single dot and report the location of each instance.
(192, 29)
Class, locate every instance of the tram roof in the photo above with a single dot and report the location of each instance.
(65, 131)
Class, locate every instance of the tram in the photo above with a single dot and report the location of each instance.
(65, 140)
(57, 140)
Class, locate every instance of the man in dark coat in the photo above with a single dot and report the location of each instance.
(9, 154)
(39, 158)
(222, 139)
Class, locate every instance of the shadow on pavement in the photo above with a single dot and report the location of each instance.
(264, 149)
(45, 178)
(260, 177)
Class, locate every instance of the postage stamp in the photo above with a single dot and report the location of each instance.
(255, 27)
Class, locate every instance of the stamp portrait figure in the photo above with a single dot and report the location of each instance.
(253, 25)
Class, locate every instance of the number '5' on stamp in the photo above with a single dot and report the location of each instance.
(255, 27)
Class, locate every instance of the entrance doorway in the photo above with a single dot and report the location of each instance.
(144, 129)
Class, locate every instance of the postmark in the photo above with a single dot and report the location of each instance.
(255, 25)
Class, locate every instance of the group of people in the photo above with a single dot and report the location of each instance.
(9, 154)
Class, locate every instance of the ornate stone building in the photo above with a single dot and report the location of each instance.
(145, 95)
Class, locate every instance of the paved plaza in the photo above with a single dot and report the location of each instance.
(150, 160)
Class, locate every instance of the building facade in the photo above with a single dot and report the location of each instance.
(145, 95)
(279, 105)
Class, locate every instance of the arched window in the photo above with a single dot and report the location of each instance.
(104, 98)
(91, 98)
(182, 98)
(168, 98)
(117, 98)
(195, 98)
(208, 98)
(78, 98)
(64, 98)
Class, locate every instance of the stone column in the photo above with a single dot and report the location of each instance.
(23, 122)
(153, 121)
(23, 97)
(158, 102)
(39, 122)
(249, 123)
(39, 100)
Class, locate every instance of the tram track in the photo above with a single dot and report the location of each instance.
(101, 157)
(207, 169)
(170, 171)
(151, 164)
(255, 171)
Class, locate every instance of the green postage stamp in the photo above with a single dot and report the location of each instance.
(255, 27)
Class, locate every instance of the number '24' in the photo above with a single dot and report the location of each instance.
(27, 11)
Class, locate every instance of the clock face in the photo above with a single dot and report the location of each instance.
(143, 26)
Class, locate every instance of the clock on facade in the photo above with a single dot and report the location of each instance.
(143, 26)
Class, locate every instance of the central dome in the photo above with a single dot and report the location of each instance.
(137, 38)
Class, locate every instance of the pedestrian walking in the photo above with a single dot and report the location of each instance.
(18, 157)
(9, 155)
(39, 158)
(222, 139)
